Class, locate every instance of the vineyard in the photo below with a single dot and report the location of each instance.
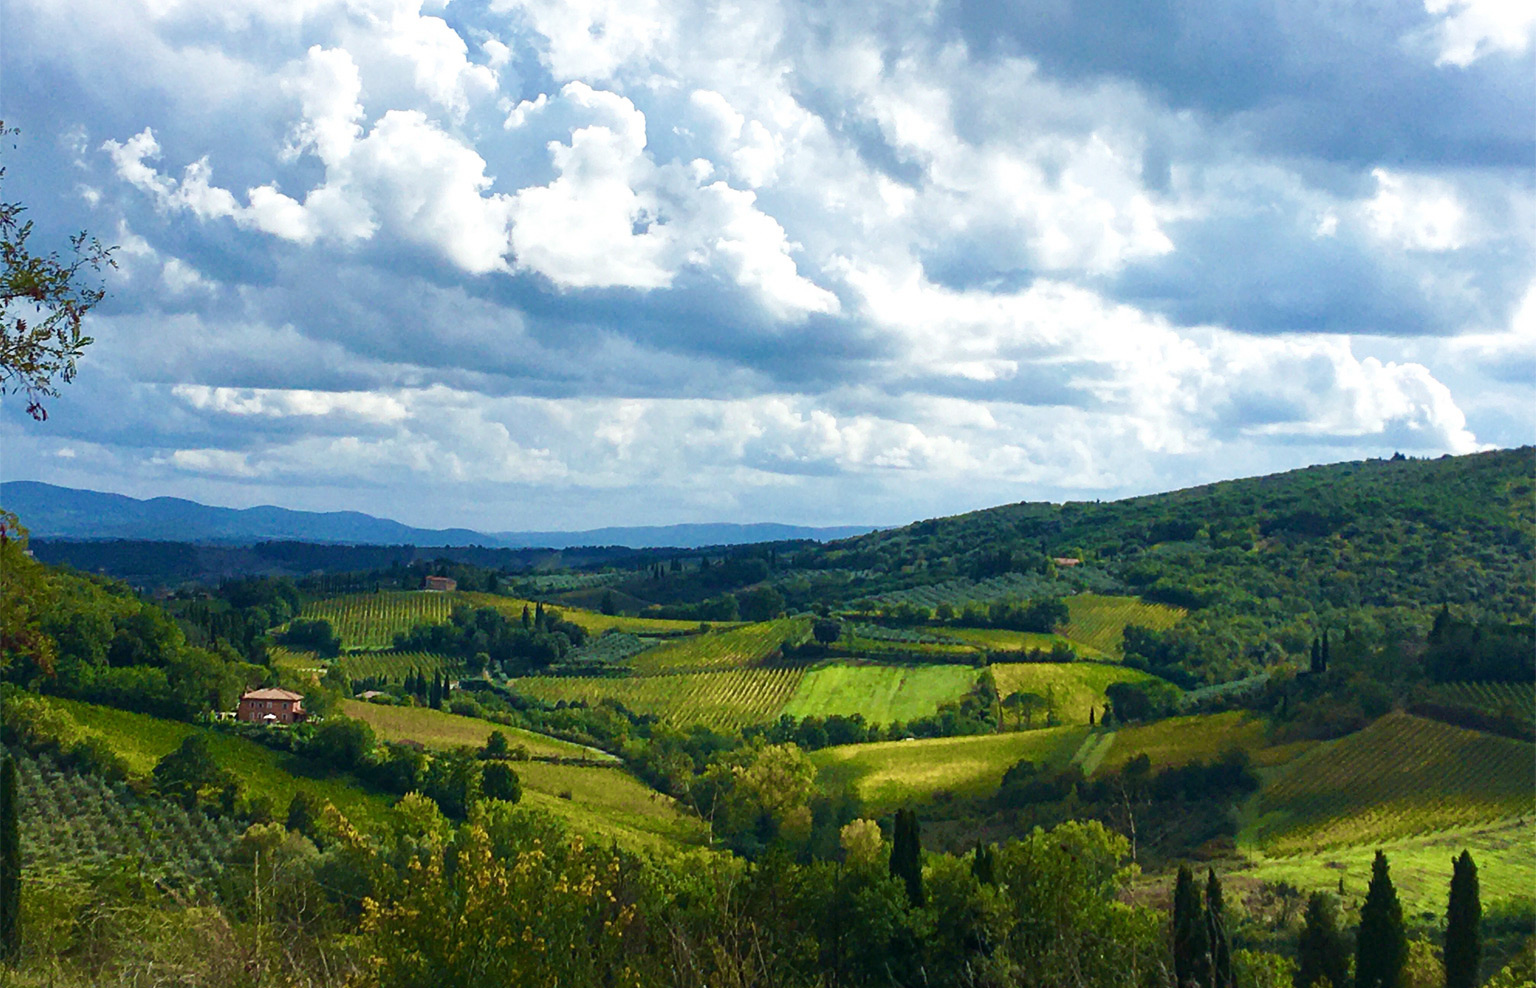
(609, 649)
(294, 660)
(592, 621)
(726, 700)
(72, 818)
(958, 593)
(370, 620)
(1100, 621)
(882, 694)
(1518, 698)
(1074, 686)
(1399, 777)
(733, 649)
(393, 667)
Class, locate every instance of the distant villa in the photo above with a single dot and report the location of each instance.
(442, 584)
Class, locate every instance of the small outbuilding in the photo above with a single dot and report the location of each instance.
(271, 706)
(445, 584)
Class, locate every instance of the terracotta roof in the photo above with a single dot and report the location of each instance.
(272, 694)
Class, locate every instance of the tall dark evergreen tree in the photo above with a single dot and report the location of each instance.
(907, 854)
(1463, 925)
(1321, 952)
(1217, 942)
(1381, 945)
(10, 863)
(1325, 655)
(1190, 949)
(984, 864)
(1317, 655)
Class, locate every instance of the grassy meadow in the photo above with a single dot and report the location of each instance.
(1075, 686)
(441, 729)
(609, 803)
(883, 694)
(888, 774)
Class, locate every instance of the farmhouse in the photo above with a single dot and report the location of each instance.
(445, 584)
(271, 706)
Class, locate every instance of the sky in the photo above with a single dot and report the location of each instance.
(524, 264)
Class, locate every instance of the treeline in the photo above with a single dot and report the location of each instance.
(486, 639)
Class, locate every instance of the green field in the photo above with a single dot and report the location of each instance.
(883, 694)
(1075, 686)
(1421, 865)
(725, 701)
(1007, 640)
(296, 661)
(370, 620)
(608, 803)
(1181, 740)
(877, 647)
(440, 729)
(734, 649)
(1099, 621)
(142, 741)
(1517, 698)
(888, 774)
(1400, 777)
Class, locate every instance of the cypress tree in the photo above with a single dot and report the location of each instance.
(1317, 655)
(1463, 921)
(907, 855)
(1090, 716)
(1381, 946)
(1321, 951)
(1190, 952)
(1325, 652)
(984, 865)
(1216, 934)
(10, 863)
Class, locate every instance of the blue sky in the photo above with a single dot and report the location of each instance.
(529, 264)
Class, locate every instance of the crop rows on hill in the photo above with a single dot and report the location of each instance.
(725, 700)
(370, 620)
(592, 621)
(71, 818)
(1100, 621)
(1075, 687)
(734, 649)
(393, 667)
(610, 649)
(878, 632)
(927, 651)
(543, 583)
(1493, 697)
(1401, 776)
(958, 593)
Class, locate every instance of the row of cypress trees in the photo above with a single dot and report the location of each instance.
(1202, 951)
(1381, 942)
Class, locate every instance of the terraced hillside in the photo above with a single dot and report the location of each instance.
(1400, 777)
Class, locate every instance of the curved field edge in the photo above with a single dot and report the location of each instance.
(1075, 686)
(887, 774)
(1399, 777)
(441, 729)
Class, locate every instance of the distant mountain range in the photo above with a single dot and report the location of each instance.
(52, 512)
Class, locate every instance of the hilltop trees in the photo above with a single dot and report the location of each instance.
(1381, 946)
(1463, 920)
